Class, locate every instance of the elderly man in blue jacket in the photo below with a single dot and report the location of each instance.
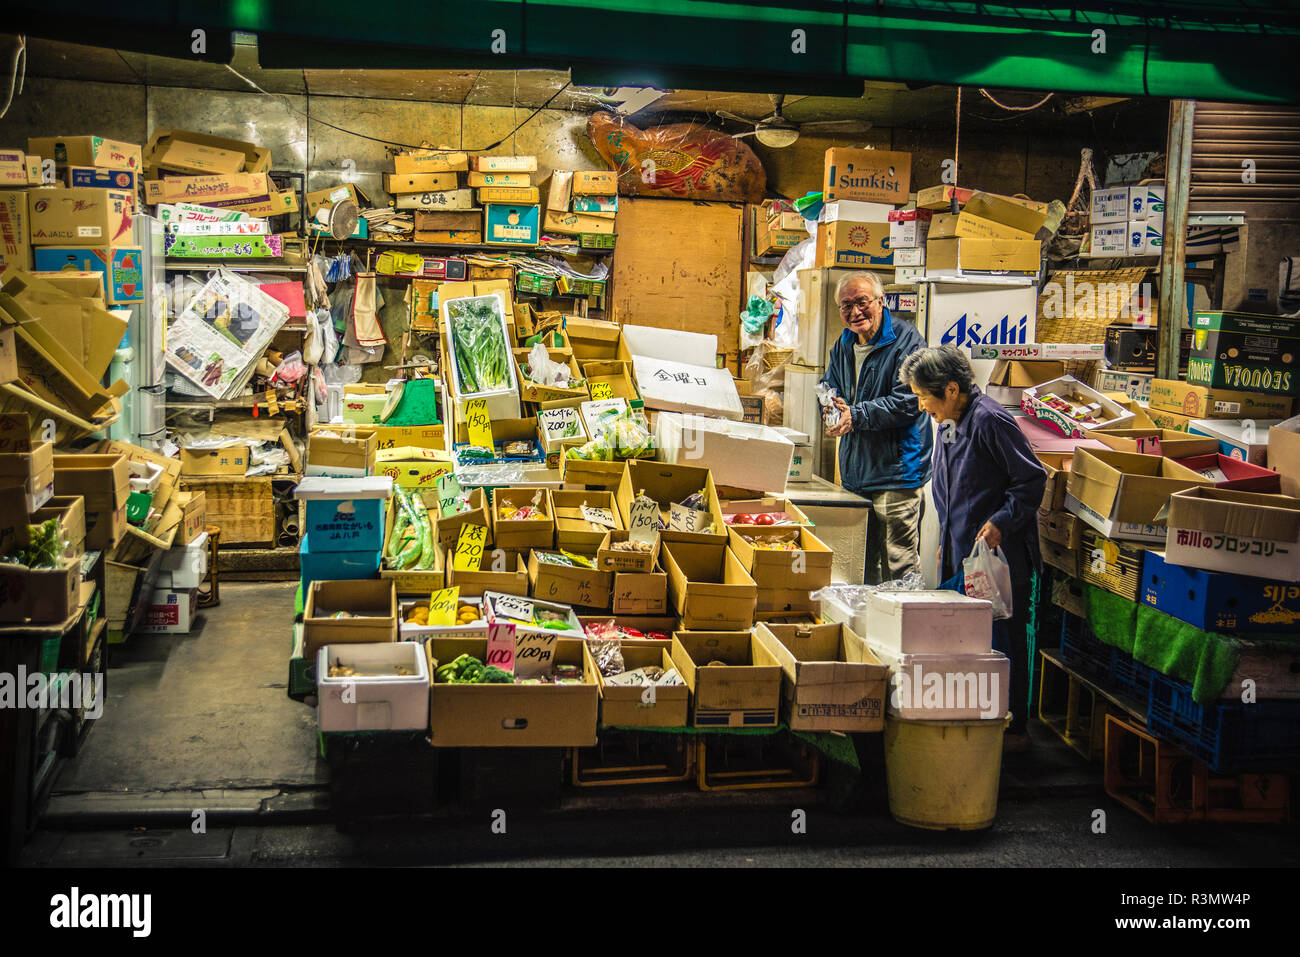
(885, 451)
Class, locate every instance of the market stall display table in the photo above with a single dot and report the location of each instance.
(840, 518)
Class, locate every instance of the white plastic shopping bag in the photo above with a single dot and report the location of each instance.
(988, 576)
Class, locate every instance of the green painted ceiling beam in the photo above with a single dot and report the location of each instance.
(1191, 49)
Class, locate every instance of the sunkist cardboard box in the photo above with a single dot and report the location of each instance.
(871, 176)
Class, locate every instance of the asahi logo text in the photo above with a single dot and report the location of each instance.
(1007, 331)
(1115, 300)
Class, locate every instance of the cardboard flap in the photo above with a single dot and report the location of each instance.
(1244, 514)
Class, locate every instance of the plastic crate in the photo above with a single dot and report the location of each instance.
(1080, 648)
(1129, 674)
(1228, 736)
(596, 240)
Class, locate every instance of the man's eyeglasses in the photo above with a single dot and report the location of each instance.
(862, 302)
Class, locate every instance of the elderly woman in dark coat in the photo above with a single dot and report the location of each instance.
(987, 484)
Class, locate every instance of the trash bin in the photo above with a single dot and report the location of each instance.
(944, 775)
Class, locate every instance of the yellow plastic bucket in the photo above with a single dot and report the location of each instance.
(944, 775)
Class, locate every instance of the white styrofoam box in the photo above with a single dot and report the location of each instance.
(186, 566)
(801, 461)
(385, 701)
(1109, 205)
(904, 274)
(1110, 239)
(694, 348)
(794, 435)
(1236, 440)
(1135, 235)
(742, 454)
(1135, 385)
(946, 687)
(502, 403)
(325, 487)
(145, 476)
(169, 612)
(914, 256)
(677, 387)
(908, 235)
(929, 622)
(1154, 242)
(855, 212)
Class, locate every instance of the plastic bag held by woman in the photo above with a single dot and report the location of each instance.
(988, 576)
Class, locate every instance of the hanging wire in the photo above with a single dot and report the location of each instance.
(1015, 109)
(19, 74)
(406, 146)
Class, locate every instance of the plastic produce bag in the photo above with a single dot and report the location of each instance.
(826, 397)
(543, 371)
(988, 576)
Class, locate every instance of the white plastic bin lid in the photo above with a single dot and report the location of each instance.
(324, 487)
(895, 602)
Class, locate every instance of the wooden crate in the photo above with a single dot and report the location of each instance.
(243, 508)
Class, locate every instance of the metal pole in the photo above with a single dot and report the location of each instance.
(1173, 257)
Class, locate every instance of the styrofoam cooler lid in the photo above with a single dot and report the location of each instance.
(895, 602)
(325, 487)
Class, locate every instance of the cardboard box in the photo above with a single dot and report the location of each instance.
(220, 191)
(1062, 527)
(1201, 402)
(871, 176)
(1060, 556)
(317, 198)
(626, 706)
(566, 584)
(515, 179)
(669, 484)
(80, 217)
(1232, 473)
(982, 257)
(1024, 216)
(415, 580)
(15, 231)
(575, 224)
(420, 182)
(1111, 416)
(413, 468)
(1284, 454)
(611, 559)
(372, 613)
(1135, 385)
(1010, 377)
(769, 241)
(592, 339)
(397, 436)
(587, 182)
(1172, 421)
(846, 243)
(340, 456)
(639, 593)
(86, 151)
(69, 511)
(1242, 533)
(169, 611)
(1242, 439)
(738, 454)
(39, 595)
(708, 586)
(771, 505)
(441, 200)
(1271, 379)
(806, 568)
(448, 528)
(572, 530)
(185, 151)
(227, 460)
(502, 571)
(832, 681)
(389, 693)
(1069, 595)
(120, 266)
(102, 480)
(1166, 442)
(1219, 602)
(940, 197)
(431, 161)
(511, 715)
(909, 258)
(526, 533)
(510, 225)
(908, 228)
(1121, 493)
(590, 474)
(1111, 565)
(32, 473)
(743, 693)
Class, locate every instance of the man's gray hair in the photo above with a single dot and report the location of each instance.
(930, 370)
(877, 289)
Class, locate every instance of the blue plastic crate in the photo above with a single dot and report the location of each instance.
(1228, 736)
(1129, 674)
(1082, 649)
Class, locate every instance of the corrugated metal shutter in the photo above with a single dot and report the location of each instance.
(1227, 134)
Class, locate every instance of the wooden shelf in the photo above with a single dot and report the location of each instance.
(471, 247)
(234, 265)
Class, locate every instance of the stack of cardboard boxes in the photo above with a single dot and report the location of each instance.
(581, 202)
(1126, 221)
(778, 228)
(991, 235)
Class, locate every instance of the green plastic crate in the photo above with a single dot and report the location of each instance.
(596, 240)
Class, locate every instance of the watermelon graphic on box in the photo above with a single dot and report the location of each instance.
(120, 265)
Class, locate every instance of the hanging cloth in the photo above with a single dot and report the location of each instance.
(364, 326)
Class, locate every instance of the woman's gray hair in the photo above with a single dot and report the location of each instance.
(932, 369)
(877, 289)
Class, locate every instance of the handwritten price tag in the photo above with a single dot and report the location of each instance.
(448, 489)
(478, 423)
(469, 548)
(513, 606)
(602, 390)
(684, 519)
(442, 606)
(643, 520)
(535, 654)
(501, 645)
(598, 516)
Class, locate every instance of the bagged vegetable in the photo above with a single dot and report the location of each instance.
(988, 576)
